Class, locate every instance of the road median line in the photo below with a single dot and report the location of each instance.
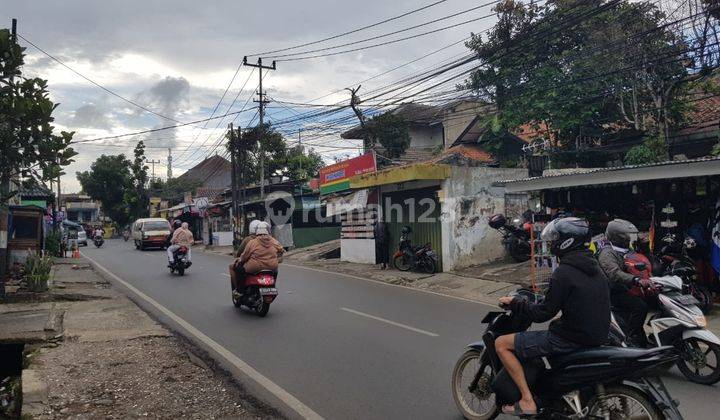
(387, 321)
(257, 383)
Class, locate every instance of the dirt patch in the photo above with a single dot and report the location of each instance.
(145, 377)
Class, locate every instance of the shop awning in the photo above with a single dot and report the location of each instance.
(415, 172)
(620, 174)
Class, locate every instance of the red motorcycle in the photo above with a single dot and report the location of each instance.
(260, 292)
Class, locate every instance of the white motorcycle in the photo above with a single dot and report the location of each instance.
(679, 322)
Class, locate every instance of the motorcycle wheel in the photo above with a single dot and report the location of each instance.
(704, 296)
(235, 299)
(401, 263)
(427, 265)
(262, 309)
(700, 361)
(623, 402)
(181, 270)
(479, 404)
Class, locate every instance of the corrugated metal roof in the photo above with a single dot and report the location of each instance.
(614, 168)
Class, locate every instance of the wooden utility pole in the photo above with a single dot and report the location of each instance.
(169, 168)
(233, 183)
(5, 192)
(354, 102)
(261, 113)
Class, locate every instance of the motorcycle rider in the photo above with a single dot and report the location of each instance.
(261, 253)
(236, 268)
(98, 233)
(181, 237)
(631, 309)
(578, 288)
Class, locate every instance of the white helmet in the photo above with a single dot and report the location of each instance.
(253, 226)
(263, 228)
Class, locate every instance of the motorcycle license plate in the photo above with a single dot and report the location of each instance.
(686, 300)
(268, 291)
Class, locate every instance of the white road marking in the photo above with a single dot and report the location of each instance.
(414, 289)
(387, 321)
(279, 393)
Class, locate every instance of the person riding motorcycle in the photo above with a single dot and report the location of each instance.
(236, 268)
(632, 310)
(261, 253)
(578, 288)
(98, 233)
(181, 237)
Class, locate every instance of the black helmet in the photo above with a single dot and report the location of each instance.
(497, 221)
(176, 224)
(406, 230)
(621, 233)
(566, 234)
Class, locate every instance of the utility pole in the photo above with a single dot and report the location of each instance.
(301, 158)
(5, 192)
(153, 162)
(233, 181)
(169, 168)
(261, 113)
(354, 102)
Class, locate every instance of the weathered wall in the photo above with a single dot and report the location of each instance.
(467, 201)
(357, 250)
(426, 137)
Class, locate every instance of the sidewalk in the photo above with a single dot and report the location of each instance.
(103, 357)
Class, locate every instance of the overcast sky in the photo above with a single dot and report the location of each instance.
(177, 57)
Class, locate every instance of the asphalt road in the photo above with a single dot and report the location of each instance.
(346, 347)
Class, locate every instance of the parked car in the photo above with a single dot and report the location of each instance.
(150, 233)
(81, 238)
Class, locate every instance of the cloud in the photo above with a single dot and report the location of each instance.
(90, 116)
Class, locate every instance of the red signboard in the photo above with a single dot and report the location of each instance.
(336, 177)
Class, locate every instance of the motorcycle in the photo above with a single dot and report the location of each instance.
(676, 261)
(516, 240)
(98, 241)
(180, 262)
(600, 382)
(678, 322)
(260, 292)
(409, 257)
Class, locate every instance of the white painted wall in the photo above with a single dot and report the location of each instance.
(467, 201)
(222, 238)
(357, 250)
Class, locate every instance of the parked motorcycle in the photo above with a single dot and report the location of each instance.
(676, 261)
(601, 382)
(409, 257)
(98, 241)
(260, 292)
(678, 322)
(516, 240)
(180, 262)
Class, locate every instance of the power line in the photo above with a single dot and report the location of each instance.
(117, 95)
(352, 31)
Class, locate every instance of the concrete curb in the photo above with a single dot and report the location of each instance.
(254, 382)
(35, 395)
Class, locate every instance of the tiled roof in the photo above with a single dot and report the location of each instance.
(213, 172)
(465, 154)
(36, 191)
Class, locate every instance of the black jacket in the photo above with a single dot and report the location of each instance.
(579, 289)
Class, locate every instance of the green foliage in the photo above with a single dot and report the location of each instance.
(52, 243)
(107, 181)
(28, 143)
(136, 195)
(174, 189)
(653, 150)
(37, 272)
(290, 162)
(391, 131)
(565, 82)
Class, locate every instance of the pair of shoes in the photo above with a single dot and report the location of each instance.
(170, 265)
(516, 410)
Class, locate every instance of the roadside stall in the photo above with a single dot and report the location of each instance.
(674, 204)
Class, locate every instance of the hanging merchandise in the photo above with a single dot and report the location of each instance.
(670, 221)
(715, 251)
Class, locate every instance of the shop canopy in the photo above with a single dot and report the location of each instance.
(395, 175)
(621, 174)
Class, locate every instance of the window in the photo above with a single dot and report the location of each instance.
(155, 226)
(24, 227)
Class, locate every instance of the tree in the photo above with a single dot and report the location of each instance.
(300, 165)
(136, 196)
(174, 189)
(583, 77)
(391, 131)
(108, 182)
(28, 144)
(653, 150)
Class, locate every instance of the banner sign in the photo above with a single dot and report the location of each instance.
(336, 177)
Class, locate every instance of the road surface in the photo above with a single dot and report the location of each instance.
(345, 347)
